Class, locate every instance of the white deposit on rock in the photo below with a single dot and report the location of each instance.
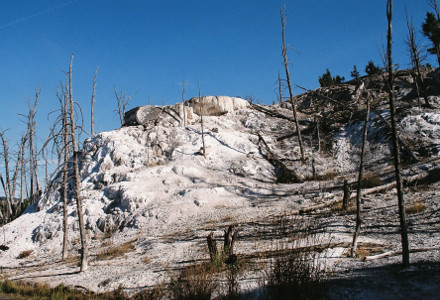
(216, 105)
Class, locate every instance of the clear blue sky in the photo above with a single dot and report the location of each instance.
(233, 47)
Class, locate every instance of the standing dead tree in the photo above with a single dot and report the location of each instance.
(280, 89)
(72, 135)
(33, 154)
(358, 191)
(92, 111)
(183, 103)
(122, 99)
(6, 186)
(415, 51)
(292, 101)
(395, 140)
(203, 150)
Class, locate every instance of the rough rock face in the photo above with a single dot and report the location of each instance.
(216, 105)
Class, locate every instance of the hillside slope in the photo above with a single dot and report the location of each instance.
(148, 185)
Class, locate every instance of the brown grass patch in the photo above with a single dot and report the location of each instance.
(366, 249)
(116, 251)
(370, 180)
(415, 207)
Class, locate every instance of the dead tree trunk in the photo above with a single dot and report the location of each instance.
(280, 89)
(395, 140)
(228, 247)
(92, 111)
(201, 123)
(183, 103)
(292, 101)
(82, 233)
(414, 51)
(212, 247)
(358, 191)
(346, 198)
(66, 150)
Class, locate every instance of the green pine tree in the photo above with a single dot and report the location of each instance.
(372, 69)
(431, 29)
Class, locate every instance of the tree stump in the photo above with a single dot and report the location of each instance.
(212, 246)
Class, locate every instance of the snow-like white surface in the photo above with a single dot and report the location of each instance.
(152, 186)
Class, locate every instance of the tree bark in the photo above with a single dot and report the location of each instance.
(212, 247)
(346, 198)
(395, 140)
(82, 233)
(92, 112)
(183, 103)
(358, 191)
(292, 101)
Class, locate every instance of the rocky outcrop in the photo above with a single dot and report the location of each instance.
(216, 105)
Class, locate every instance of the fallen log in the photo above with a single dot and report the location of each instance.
(398, 252)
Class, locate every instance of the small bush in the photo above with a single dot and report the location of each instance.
(24, 254)
(370, 180)
(298, 273)
(415, 207)
(194, 282)
(116, 251)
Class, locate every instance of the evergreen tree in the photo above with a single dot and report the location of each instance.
(431, 29)
(372, 69)
(355, 73)
(327, 80)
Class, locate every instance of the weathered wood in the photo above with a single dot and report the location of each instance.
(212, 246)
(346, 198)
(357, 231)
(228, 247)
(398, 252)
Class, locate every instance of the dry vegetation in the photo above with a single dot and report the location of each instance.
(116, 251)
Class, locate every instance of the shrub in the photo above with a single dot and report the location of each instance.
(415, 207)
(194, 282)
(116, 251)
(298, 272)
(370, 180)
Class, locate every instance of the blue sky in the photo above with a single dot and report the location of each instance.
(233, 47)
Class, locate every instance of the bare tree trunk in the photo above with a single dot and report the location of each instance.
(293, 102)
(201, 122)
(358, 191)
(92, 112)
(183, 103)
(212, 247)
(82, 233)
(395, 140)
(280, 89)
(414, 51)
(8, 200)
(66, 150)
(6, 187)
(346, 198)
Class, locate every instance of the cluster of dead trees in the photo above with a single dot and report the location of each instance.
(389, 81)
(21, 166)
(20, 177)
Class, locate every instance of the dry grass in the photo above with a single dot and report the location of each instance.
(415, 207)
(116, 251)
(24, 254)
(25, 290)
(370, 180)
(366, 249)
